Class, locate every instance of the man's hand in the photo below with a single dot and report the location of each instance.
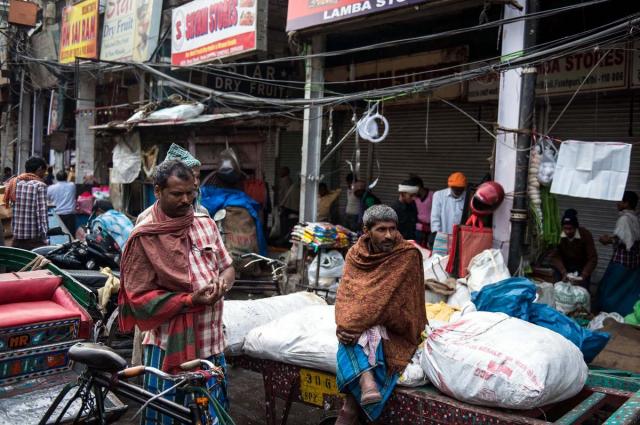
(203, 296)
(218, 288)
(346, 337)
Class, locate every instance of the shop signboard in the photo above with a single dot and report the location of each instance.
(130, 31)
(204, 30)
(562, 76)
(399, 70)
(309, 13)
(255, 80)
(79, 32)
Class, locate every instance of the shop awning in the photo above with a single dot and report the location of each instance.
(202, 119)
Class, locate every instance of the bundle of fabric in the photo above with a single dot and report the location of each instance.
(318, 235)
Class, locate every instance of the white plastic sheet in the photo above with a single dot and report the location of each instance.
(596, 170)
(239, 317)
(126, 159)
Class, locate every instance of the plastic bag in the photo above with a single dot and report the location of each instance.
(598, 321)
(413, 375)
(434, 268)
(515, 297)
(570, 297)
(547, 163)
(546, 294)
(492, 359)
(331, 267)
(633, 318)
(486, 268)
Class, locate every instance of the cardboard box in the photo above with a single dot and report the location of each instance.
(23, 13)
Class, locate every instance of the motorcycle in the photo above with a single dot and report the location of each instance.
(93, 253)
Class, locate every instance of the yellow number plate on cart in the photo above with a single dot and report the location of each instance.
(315, 385)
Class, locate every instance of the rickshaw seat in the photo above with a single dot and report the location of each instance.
(97, 357)
(37, 297)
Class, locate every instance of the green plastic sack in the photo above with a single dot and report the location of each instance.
(633, 318)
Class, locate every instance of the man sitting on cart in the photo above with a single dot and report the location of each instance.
(175, 271)
(380, 314)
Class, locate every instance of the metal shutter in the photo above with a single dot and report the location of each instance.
(598, 117)
(455, 143)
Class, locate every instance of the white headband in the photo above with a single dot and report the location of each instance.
(407, 188)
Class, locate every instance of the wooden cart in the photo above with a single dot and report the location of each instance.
(610, 397)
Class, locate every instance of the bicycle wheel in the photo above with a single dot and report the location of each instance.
(83, 403)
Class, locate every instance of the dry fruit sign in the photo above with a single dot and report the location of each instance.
(130, 30)
(203, 30)
(309, 13)
(79, 33)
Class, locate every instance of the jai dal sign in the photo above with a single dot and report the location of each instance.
(79, 32)
(203, 30)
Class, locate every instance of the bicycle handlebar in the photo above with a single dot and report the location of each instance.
(263, 258)
(132, 372)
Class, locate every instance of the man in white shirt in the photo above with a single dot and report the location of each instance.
(63, 196)
(448, 204)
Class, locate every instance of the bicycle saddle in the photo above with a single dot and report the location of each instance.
(97, 357)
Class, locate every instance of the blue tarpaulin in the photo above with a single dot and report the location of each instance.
(215, 198)
(515, 296)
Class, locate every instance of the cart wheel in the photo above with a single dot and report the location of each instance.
(330, 420)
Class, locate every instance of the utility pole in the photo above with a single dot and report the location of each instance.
(515, 111)
(312, 133)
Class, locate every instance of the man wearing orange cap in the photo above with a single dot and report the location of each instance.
(448, 204)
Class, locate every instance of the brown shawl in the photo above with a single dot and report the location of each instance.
(10, 189)
(387, 289)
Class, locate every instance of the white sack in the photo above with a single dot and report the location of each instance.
(239, 317)
(435, 268)
(598, 321)
(570, 297)
(545, 294)
(486, 268)
(331, 267)
(461, 297)
(596, 170)
(306, 338)
(495, 360)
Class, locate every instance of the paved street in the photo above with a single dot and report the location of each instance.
(247, 403)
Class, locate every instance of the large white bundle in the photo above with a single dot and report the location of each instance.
(492, 359)
(569, 297)
(239, 317)
(306, 337)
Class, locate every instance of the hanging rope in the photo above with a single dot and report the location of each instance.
(38, 263)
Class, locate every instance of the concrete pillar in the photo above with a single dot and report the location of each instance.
(508, 117)
(8, 139)
(24, 131)
(312, 133)
(85, 117)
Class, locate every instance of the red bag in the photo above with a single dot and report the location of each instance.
(468, 241)
(257, 190)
